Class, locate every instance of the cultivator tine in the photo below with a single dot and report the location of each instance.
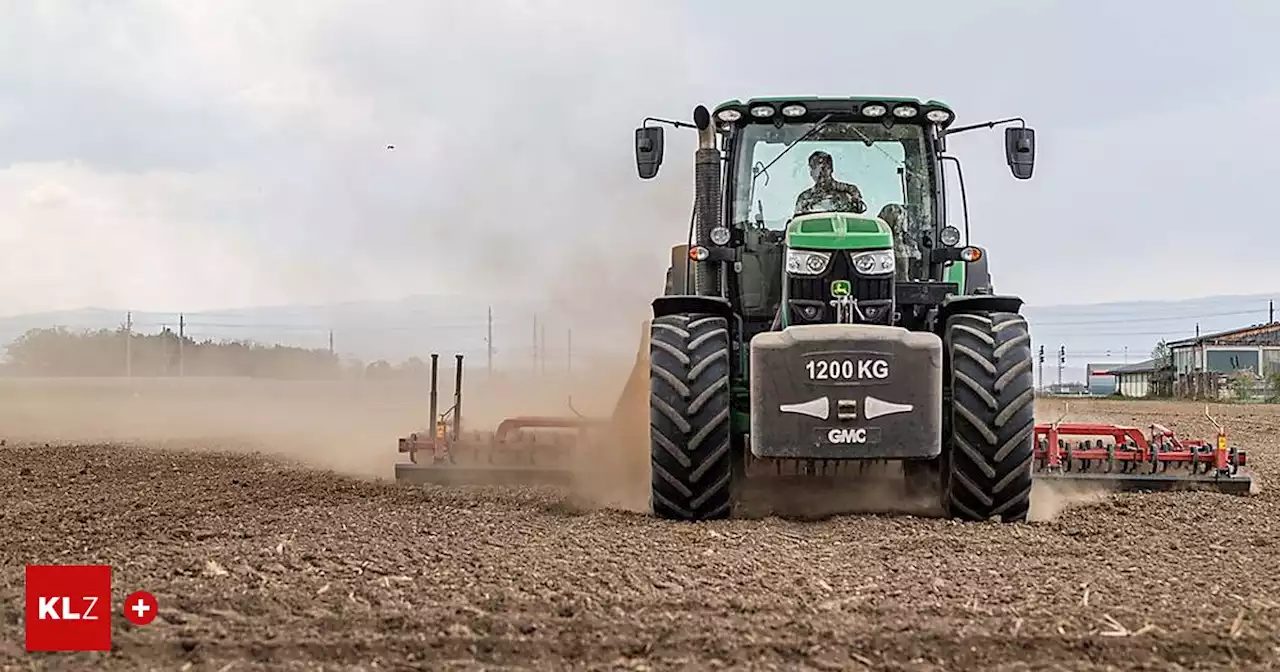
(1123, 458)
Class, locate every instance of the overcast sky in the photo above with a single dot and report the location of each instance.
(200, 154)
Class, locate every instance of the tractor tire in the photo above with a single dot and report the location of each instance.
(689, 419)
(988, 462)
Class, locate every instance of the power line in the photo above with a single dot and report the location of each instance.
(318, 327)
(1167, 318)
(1192, 306)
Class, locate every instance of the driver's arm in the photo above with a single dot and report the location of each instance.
(859, 205)
(801, 201)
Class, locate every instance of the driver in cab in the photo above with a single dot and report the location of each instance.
(827, 193)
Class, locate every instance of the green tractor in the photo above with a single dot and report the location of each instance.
(824, 314)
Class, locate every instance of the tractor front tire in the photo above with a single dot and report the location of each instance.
(689, 424)
(988, 463)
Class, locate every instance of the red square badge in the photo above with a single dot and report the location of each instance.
(68, 608)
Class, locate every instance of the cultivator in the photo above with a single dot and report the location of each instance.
(525, 450)
(1124, 458)
(532, 450)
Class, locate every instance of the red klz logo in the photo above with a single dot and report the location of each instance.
(68, 608)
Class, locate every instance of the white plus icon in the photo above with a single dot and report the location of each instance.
(140, 608)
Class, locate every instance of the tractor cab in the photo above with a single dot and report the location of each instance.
(833, 210)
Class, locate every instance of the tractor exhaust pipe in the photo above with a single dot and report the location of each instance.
(706, 275)
(457, 399)
(435, 389)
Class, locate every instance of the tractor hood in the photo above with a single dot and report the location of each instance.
(838, 231)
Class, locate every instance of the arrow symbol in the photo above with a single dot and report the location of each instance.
(819, 408)
(874, 408)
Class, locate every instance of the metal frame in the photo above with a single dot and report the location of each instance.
(1124, 458)
(508, 456)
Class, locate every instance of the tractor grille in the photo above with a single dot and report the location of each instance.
(815, 292)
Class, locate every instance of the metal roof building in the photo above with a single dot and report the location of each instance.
(1132, 380)
(1255, 348)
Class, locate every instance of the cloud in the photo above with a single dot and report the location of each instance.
(259, 131)
(176, 155)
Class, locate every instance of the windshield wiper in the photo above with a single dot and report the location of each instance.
(765, 170)
(816, 127)
(902, 165)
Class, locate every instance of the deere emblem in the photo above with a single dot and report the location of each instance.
(841, 288)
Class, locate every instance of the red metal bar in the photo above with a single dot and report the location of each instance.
(541, 422)
(1053, 456)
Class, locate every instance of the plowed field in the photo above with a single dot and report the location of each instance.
(270, 561)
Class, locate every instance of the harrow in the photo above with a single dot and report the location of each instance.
(523, 450)
(1124, 458)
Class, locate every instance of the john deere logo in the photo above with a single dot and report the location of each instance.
(841, 288)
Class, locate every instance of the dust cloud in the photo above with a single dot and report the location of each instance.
(876, 488)
(344, 426)
(1051, 500)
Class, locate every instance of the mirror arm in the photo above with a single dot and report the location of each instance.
(964, 197)
(672, 122)
(986, 124)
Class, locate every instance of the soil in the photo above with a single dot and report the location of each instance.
(262, 563)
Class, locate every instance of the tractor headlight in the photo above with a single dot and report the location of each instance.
(938, 116)
(873, 263)
(720, 235)
(950, 236)
(807, 262)
(874, 110)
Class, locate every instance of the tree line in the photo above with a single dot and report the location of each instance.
(58, 351)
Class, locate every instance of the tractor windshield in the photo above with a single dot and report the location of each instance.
(846, 166)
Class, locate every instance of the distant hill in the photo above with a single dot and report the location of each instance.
(419, 325)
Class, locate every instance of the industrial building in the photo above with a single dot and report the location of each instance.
(1255, 349)
(1134, 380)
(1228, 364)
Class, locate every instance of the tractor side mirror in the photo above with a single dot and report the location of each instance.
(649, 144)
(1020, 151)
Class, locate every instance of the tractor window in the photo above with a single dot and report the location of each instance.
(887, 165)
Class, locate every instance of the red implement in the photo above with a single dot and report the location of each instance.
(528, 450)
(1125, 458)
(511, 455)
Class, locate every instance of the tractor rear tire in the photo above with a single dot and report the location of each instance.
(689, 419)
(988, 463)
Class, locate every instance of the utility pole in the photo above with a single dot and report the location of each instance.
(535, 343)
(1042, 367)
(489, 341)
(334, 362)
(542, 349)
(1271, 312)
(1062, 361)
(128, 345)
(182, 336)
